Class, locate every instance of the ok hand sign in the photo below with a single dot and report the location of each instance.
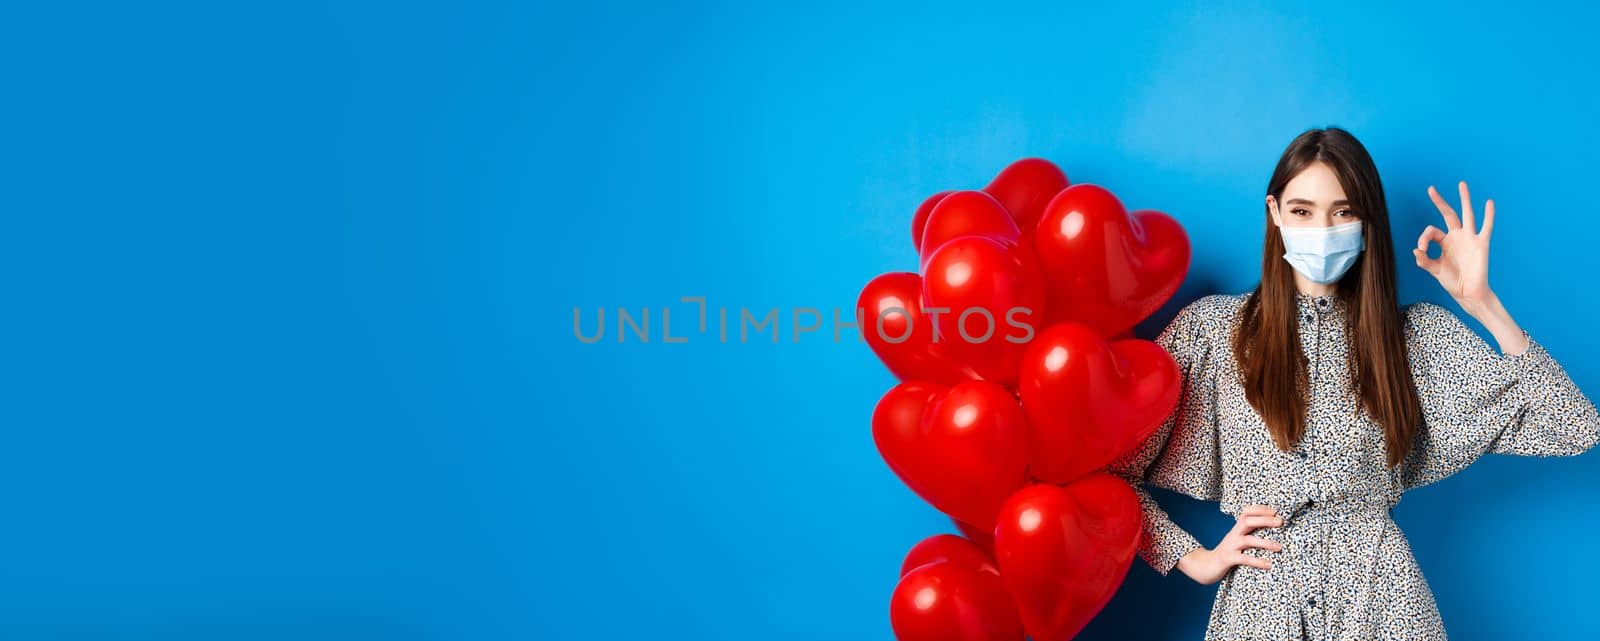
(1462, 267)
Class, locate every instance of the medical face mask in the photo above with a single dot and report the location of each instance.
(1323, 254)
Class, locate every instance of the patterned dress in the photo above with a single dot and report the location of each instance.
(1346, 570)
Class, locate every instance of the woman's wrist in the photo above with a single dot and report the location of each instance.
(1492, 314)
(1188, 563)
(1482, 307)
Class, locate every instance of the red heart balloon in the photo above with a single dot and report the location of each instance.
(1089, 402)
(968, 453)
(1063, 551)
(897, 418)
(892, 322)
(967, 213)
(942, 548)
(989, 293)
(1025, 187)
(919, 220)
(1106, 268)
(981, 537)
(946, 601)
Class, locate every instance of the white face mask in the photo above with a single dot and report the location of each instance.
(1323, 254)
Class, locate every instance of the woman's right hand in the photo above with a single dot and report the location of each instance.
(1209, 566)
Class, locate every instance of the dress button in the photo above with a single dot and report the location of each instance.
(1306, 317)
(1301, 454)
(1322, 302)
(1311, 602)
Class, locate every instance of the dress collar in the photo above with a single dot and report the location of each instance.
(1324, 303)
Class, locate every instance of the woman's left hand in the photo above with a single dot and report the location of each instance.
(1463, 263)
(1463, 267)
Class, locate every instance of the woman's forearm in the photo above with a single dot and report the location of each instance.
(1498, 321)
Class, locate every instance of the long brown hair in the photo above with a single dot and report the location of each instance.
(1272, 366)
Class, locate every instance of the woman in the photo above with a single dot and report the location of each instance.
(1311, 403)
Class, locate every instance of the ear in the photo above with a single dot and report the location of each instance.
(1272, 206)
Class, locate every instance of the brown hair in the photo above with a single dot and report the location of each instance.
(1272, 367)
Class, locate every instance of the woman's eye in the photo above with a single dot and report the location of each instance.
(1345, 212)
(1300, 212)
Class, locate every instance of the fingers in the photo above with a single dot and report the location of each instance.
(1256, 516)
(1251, 518)
(1240, 558)
(1488, 219)
(1236, 546)
(1431, 265)
(1430, 233)
(1257, 510)
(1247, 524)
(1467, 218)
(1252, 523)
(1252, 541)
(1445, 209)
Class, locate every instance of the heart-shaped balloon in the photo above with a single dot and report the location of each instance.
(1089, 402)
(919, 220)
(989, 295)
(967, 213)
(892, 322)
(968, 453)
(1063, 551)
(942, 548)
(981, 537)
(949, 601)
(897, 418)
(1025, 187)
(1106, 268)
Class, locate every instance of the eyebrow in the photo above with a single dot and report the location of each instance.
(1302, 201)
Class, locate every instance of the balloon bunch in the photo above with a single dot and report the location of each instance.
(1020, 381)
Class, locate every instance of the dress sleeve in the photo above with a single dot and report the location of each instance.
(1478, 401)
(1182, 453)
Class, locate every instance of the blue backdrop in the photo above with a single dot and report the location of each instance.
(288, 345)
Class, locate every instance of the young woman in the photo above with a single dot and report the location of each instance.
(1313, 402)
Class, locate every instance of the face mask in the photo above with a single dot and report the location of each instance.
(1323, 254)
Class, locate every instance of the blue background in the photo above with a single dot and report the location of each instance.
(288, 348)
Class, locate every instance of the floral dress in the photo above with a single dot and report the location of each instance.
(1346, 570)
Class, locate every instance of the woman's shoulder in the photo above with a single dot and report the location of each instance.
(1214, 309)
(1201, 328)
(1210, 316)
(1433, 327)
(1423, 318)
(1422, 309)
